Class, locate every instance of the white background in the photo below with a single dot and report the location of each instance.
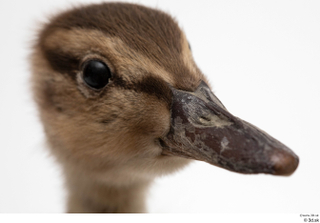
(263, 60)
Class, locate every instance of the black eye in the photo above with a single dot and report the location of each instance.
(189, 46)
(96, 74)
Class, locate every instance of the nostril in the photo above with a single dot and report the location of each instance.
(205, 118)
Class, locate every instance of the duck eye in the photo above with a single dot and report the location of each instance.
(189, 46)
(96, 74)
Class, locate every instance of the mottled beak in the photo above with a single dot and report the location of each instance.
(203, 129)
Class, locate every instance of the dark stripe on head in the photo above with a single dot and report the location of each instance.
(155, 86)
(62, 62)
(149, 85)
(148, 31)
(138, 26)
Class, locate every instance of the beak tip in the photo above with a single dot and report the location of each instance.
(285, 165)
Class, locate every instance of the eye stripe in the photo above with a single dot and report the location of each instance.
(68, 64)
(149, 85)
(157, 87)
(62, 62)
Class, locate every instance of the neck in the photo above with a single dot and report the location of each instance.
(87, 193)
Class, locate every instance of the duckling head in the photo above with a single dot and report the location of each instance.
(119, 93)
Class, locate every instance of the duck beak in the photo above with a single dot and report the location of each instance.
(203, 129)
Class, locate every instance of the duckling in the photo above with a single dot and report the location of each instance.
(122, 101)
